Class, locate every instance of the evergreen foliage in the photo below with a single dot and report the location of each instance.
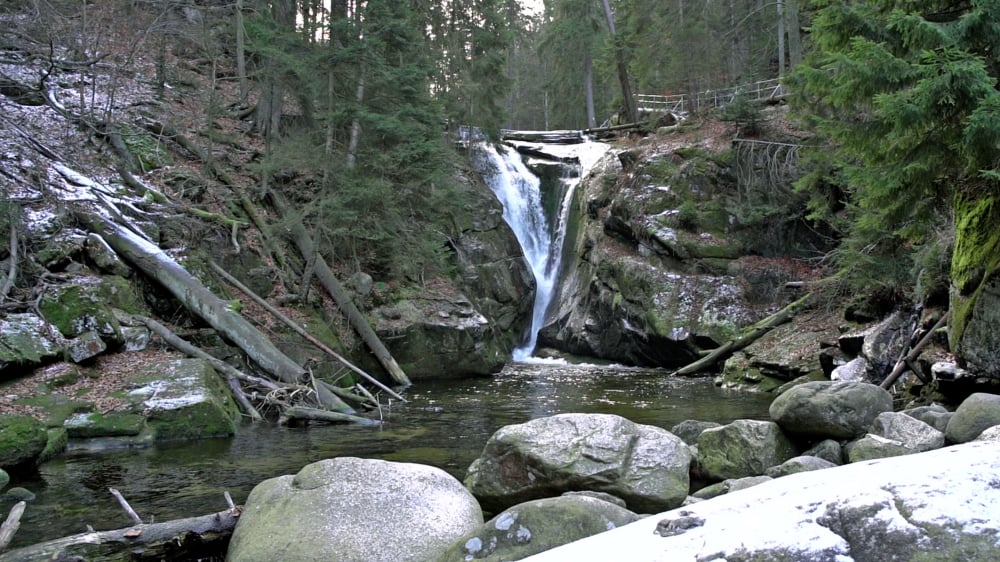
(906, 92)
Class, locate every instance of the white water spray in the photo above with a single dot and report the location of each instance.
(518, 190)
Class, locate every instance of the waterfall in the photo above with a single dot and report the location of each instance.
(519, 191)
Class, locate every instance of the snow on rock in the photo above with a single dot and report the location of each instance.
(945, 502)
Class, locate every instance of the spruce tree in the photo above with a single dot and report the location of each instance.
(906, 92)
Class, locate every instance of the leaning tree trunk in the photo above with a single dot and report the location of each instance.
(155, 263)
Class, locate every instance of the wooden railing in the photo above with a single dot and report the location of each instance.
(683, 103)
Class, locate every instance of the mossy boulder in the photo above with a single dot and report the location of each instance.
(22, 439)
(183, 399)
(537, 526)
(96, 424)
(86, 304)
(742, 448)
(58, 440)
(26, 341)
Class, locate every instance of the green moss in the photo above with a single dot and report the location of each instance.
(58, 440)
(148, 151)
(22, 438)
(976, 256)
(95, 424)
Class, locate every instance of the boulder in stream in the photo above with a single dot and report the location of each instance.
(352, 509)
(827, 409)
(645, 465)
(22, 439)
(975, 414)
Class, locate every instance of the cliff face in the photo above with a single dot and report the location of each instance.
(668, 255)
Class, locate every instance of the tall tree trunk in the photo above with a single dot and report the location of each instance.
(588, 78)
(241, 58)
(781, 38)
(621, 64)
(271, 102)
(352, 145)
(793, 27)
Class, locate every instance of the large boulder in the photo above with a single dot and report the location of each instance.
(182, 399)
(537, 526)
(872, 447)
(26, 341)
(911, 432)
(742, 448)
(827, 409)
(351, 509)
(976, 413)
(905, 508)
(644, 465)
(934, 415)
(87, 303)
(795, 465)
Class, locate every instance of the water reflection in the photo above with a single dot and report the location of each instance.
(444, 424)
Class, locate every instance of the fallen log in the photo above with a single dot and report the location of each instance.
(314, 414)
(181, 539)
(300, 330)
(11, 524)
(758, 330)
(332, 286)
(907, 361)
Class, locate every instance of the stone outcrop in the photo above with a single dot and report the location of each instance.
(742, 448)
(537, 526)
(837, 410)
(644, 465)
(354, 509)
(27, 340)
(906, 508)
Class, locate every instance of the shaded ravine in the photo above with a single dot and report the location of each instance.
(444, 424)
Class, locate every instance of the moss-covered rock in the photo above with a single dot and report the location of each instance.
(86, 304)
(183, 399)
(95, 424)
(742, 448)
(58, 440)
(22, 439)
(26, 341)
(974, 323)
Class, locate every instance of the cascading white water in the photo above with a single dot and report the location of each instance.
(518, 190)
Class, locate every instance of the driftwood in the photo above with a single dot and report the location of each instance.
(187, 538)
(11, 524)
(332, 285)
(314, 414)
(758, 330)
(907, 361)
(125, 505)
(300, 330)
(547, 137)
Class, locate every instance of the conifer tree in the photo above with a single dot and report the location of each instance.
(907, 94)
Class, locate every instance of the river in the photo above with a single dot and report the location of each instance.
(444, 424)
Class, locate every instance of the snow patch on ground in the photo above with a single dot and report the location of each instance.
(956, 488)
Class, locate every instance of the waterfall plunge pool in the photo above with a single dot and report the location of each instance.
(444, 424)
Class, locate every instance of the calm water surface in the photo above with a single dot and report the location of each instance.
(445, 424)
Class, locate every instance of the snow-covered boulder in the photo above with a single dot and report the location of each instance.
(827, 409)
(891, 509)
(646, 466)
(355, 509)
(27, 341)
